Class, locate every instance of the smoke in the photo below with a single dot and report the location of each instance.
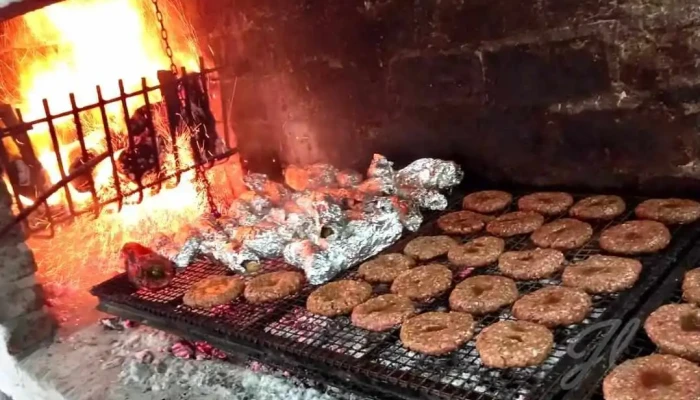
(17, 383)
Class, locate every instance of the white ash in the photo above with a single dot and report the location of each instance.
(135, 364)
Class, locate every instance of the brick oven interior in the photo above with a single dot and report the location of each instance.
(588, 96)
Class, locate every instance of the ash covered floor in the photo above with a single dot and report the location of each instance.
(99, 364)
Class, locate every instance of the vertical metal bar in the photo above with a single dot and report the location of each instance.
(84, 153)
(122, 97)
(57, 150)
(6, 164)
(224, 109)
(152, 131)
(110, 148)
(210, 122)
(189, 118)
(168, 89)
(49, 215)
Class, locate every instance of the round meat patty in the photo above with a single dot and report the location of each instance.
(478, 252)
(423, 283)
(385, 268)
(635, 237)
(437, 333)
(428, 247)
(514, 344)
(675, 328)
(546, 203)
(487, 201)
(655, 377)
(669, 211)
(562, 234)
(553, 306)
(602, 274)
(599, 207)
(462, 222)
(338, 298)
(273, 286)
(530, 264)
(691, 286)
(383, 312)
(213, 291)
(515, 223)
(483, 294)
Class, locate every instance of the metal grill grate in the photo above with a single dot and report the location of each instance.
(333, 347)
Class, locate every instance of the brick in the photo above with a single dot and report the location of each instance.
(475, 21)
(28, 331)
(24, 297)
(437, 79)
(561, 13)
(536, 73)
(16, 261)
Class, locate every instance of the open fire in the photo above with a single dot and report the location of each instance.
(70, 48)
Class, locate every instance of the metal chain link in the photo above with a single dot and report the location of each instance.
(164, 36)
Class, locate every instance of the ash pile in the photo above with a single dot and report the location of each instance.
(321, 220)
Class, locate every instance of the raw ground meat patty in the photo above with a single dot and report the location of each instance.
(635, 237)
(338, 298)
(562, 234)
(602, 274)
(669, 211)
(530, 264)
(655, 377)
(675, 328)
(437, 333)
(462, 222)
(478, 252)
(599, 207)
(385, 268)
(428, 247)
(423, 283)
(553, 306)
(691, 286)
(483, 294)
(515, 223)
(382, 312)
(546, 203)
(273, 286)
(214, 291)
(514, 344)
(487, 201)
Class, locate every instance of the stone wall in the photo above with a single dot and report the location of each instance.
(22, 309)
(592, 93)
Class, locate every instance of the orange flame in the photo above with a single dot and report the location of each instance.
(84, 43)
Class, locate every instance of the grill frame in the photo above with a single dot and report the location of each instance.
(328, 364)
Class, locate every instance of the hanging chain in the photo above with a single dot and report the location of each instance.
(164, 36)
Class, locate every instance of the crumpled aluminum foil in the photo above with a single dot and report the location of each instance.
(424, 198)
(310, 177)
(275, 192)
(409, 213)
(357, 241)
(430, 173)
(187, 252)
(267, 241)
(381, 174)
(348, 178)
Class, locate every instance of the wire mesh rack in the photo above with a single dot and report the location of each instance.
(668, 292)
(335, 349)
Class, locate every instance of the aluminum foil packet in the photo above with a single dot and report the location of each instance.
(348, 178)
(357, 241)
(424, 198)
(430, 173)
(381, 173)
(262, 185)
(310, 177)
(409, 213)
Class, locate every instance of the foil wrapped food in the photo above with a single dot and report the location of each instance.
(424, 198)
(430, 173)
(275, 192)
(381, 175)
(348, 178)
(310, 177)
(358, 240)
